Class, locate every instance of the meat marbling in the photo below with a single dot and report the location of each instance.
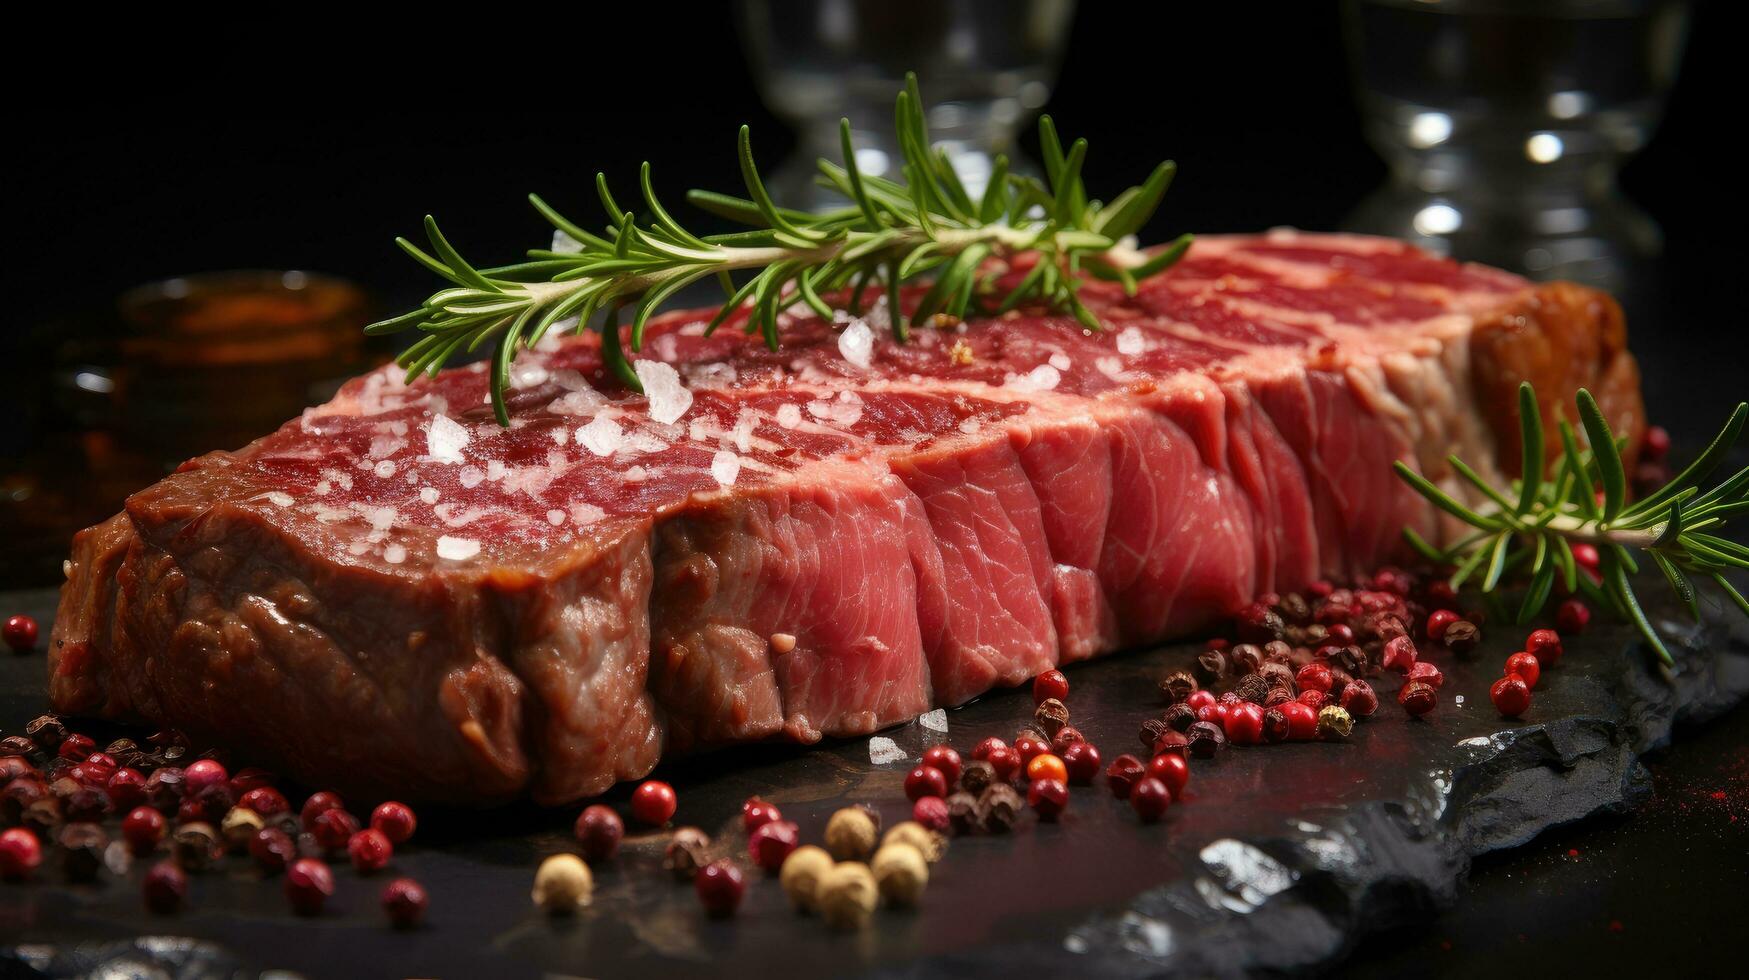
(393, 595)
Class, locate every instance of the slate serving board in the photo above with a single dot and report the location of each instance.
(1281, 858)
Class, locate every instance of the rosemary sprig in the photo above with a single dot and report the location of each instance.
(924, 225)
(1530, 529)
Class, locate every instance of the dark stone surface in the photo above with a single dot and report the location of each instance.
(1281, 858)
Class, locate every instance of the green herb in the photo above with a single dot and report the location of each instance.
(1530, 529)
(925, 225)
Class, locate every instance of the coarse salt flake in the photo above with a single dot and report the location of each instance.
(1061, 361)
(725, 467)
(669, 399)
(935, 721)
(789, 415)
(444, 439)
(394, 554)
(884, 751)
(428, 495)
(601, 436)
(1041, 378)
(279, 498)
(471, 476)
(385, 469)
(457, 549)
(555, 517)
(1130, 342)
(856, 343)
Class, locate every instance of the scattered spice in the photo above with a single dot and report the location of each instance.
(1545, 646)
(1149, 799)
(924, 781)
(404, 901)
(901, 874)
(1050, 716)
(1462, 636)
(562, 884)
(1526, 666)
(598, 831)
(395, 820)
(1359, 699)
(927, 842)
(20, 633)
(272, 849)
(772, 843)
(1205, 739)
(369, 851)
(1047, 766)
(1511, 696)
(801, 875)
(1211, 666)
(847, 895)
(1177, 686)
(309, 884)
(932, 812)
(720, 886)
(1173, 770)
(851, 834)
(1081, 762)
(977, 774)
(944, 758)
(238, 828)
(654, 803)
(1334, 722)
(1048, 686)
(963, 813)
(1179, 717)
(1417, 698)
(998, 808)
(164, 888)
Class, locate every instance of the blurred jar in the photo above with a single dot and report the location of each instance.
(1505, 122)
(984, 67)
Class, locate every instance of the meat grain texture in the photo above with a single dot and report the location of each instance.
(392, 595)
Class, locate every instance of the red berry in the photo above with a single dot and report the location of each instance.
(404, 901)
(654, 802)
(932, 812)
(1655, 445)
(1437, 621)
(598, 831)
(20, 633)
(1526, 666)
(1173, 770)
(924, 781)
(944, 758)
(1425, 672)
(1511, 695)
(248, 778)
(1399, 654)
(1049, 797)
(370, 851)
(1359, 699)
(1200, 699)
(20, 853)
(333, 829)
(1302, 720)
(1150, 799)
(720, 886)
(272, 849)
(1245, 724)
(1082, 762)
(756, 813)
(143, 828)
(1314, 677)
(1028, 746)
(982, 752)
(1545, 645)
(319, 803)
(1572, 616)
(1314, 699)
(308, 884)
(1586, 556)
(1123, 774)
(1047, 766)
(1417, 698)
(1006, 762)
(1340, 635)
(127, 788)
(164, 888)
(96, 769)
(203, 773)
(772, 842)
(1050, 684)
(76, 747)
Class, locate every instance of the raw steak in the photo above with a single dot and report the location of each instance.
(392, 595)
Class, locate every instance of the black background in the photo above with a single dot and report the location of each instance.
(309, 139)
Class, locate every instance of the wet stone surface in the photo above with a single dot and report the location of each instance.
(1281, 858)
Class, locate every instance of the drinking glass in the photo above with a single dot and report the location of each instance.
(984, 66)
(1505, 122)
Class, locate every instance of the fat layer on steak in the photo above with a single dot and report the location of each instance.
(395, 596)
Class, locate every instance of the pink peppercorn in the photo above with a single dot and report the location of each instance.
(1048, 797)
(756, 813)
(1571, 617)
(932, 812)
(1150, 798)
(404, 901)
(1359, 699)
(1399, 654)
(370, 851)
(1437, 621)
(1314, 677)
(924, 781)
(127, 788)
(1425, 672)
(164, 888)
(264, 800)
(1417, 698)
(1081, 761)
(333, 829)
(1526, 666)
(1244, 724)
(720, 886)
(981, 752)
(1123, 774)
(944, 758)
(20, 633)
(308, 885)
(143, 828)
(772, 843)
(20, 853)
(203, 773)
(1545, 646)
(1302, 720)
(395, 820)
(318, 803)
(598, 830)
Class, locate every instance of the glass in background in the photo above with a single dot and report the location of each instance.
(985, 66)
(1505, 123)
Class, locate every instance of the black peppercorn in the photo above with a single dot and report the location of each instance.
(86, 804)
(1260, 624)
(121, 747)
(1252, 688)
(999, 807)
(1339, 679)
(17, 796)
(167, 737)
(1211, 666)
(1278, 696)
(1245, 659)
(164, 788)
(1462, 636)
(1294, 608)
(1277, 674)
(1314, 636)
(1179, 717)
(82, 846)
(47, 731)
(1386, 625)
(172, 754)
(1151, 731)
(976, 775)
(1171, 743)
(1278, 652)
(42, 816)
(962, 811)
(196, 846)
(688, 851)
(1349, 658)
(1177, 686)
(1205, 739)
(17, 745)
(1274, 726)
(1050, 716)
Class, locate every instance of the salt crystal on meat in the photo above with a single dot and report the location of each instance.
(856, 343)
(445, 439)
(457, 549)
(601, 436)
(669, 399)
(725, 467)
